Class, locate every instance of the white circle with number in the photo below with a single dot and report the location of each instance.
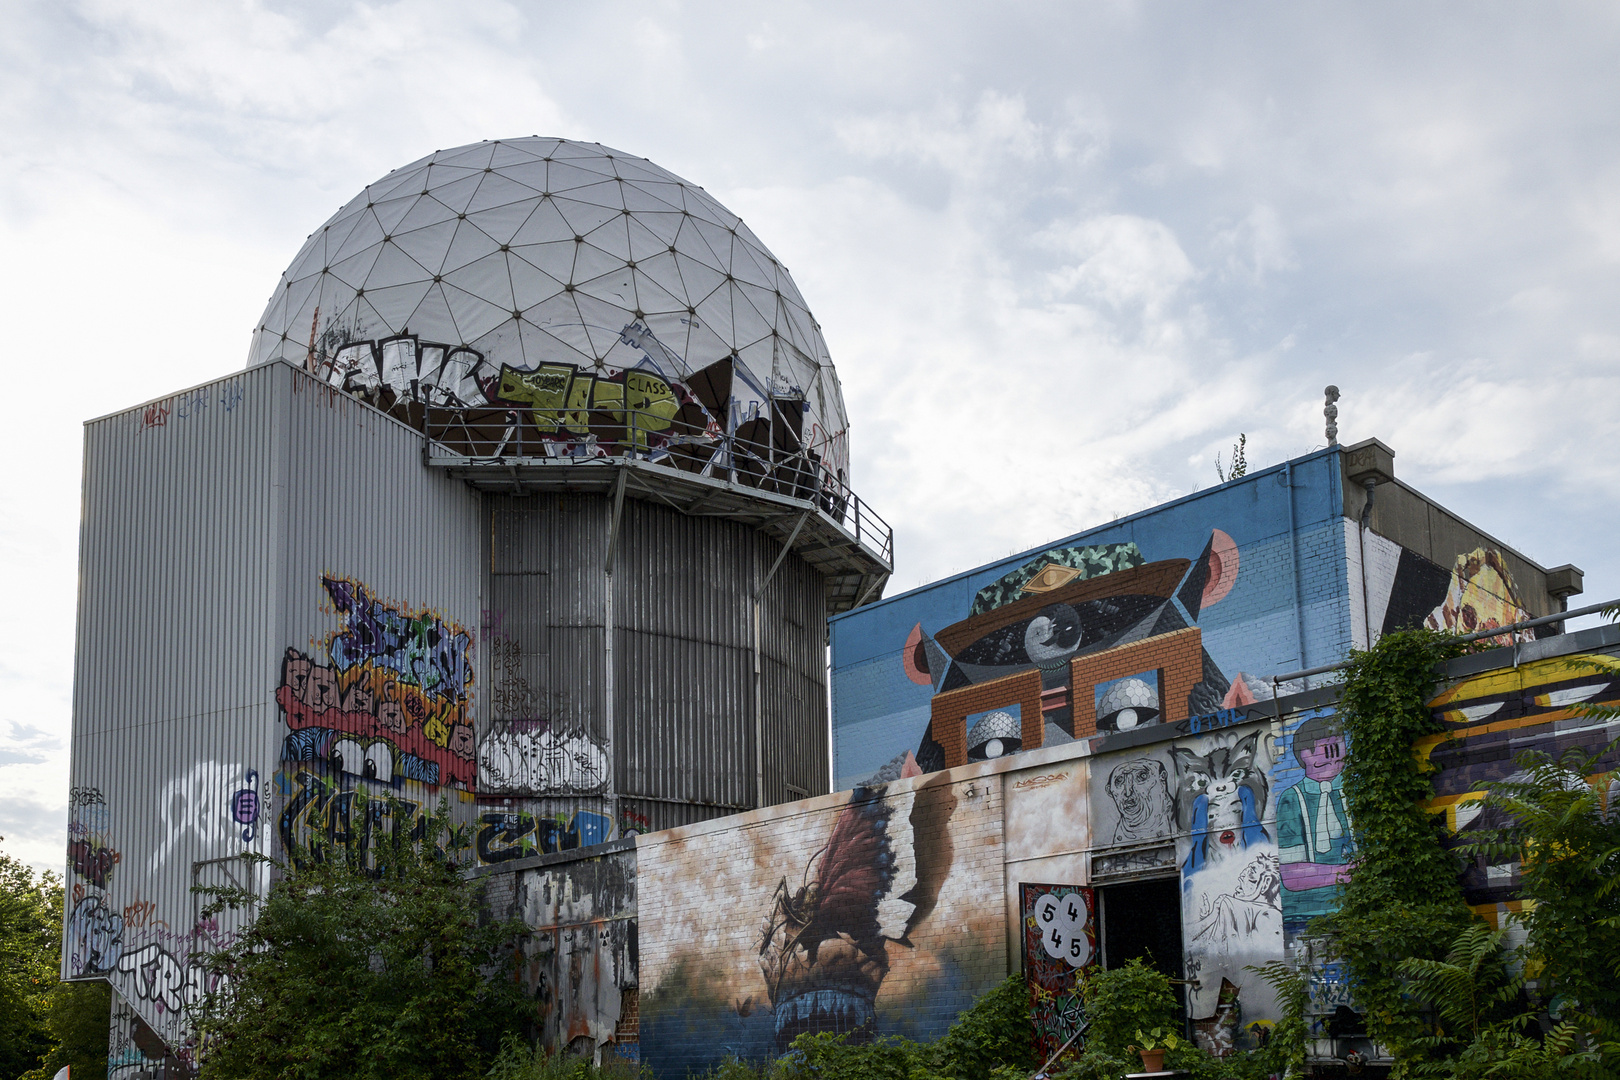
(1062, 919)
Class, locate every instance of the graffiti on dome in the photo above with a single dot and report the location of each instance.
(721, 416)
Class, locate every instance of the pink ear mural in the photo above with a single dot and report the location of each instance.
(914, 660)
(1223, 569)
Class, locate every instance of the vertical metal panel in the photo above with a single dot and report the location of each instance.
(171, 721)
(210, 518)
(361, 508)
(547, 612)
(683, 738)
(793, 671)
(684, 670)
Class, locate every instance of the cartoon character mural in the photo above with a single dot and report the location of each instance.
(1230, 877)
(390, 702)
(1404, 589)
(1490, 718)
(1069, 618)
(1314, 837)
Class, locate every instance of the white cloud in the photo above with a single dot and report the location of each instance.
(1063, 254)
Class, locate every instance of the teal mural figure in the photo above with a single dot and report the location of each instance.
(1313, 826)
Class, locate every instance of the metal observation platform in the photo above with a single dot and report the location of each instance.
(782, 490)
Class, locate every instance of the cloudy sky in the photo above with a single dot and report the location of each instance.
(1063, 253)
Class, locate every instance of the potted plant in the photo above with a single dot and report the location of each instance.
(1151, 1047)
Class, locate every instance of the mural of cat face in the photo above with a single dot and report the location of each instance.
(1220, 796)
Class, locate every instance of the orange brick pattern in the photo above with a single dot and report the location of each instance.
(948, 721)
(1178, 658)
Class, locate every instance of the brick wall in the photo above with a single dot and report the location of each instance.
(1178, 658)
(709, 894)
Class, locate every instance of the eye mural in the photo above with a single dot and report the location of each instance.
(1077, 641)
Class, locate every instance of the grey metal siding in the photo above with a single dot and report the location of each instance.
(177, 558)
(685, 718)
(210, 520)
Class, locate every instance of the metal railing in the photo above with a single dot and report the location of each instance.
(759, 455)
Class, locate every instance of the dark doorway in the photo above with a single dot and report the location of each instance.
(1142, 918)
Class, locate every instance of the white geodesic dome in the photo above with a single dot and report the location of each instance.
(518, 255)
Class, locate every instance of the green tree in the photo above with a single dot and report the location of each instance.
(368, 966)
(76, 1017)
(1484, 1026)
(1404, 898)
(30, 952)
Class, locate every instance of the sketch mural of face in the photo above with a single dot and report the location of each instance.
(1141, 792)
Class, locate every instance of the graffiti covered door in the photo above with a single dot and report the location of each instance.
(1060, 942)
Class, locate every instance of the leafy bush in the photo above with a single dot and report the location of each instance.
(520, 1061)
(825, 1056)
(360, 971)
(1126, 1000)
(995, 1031)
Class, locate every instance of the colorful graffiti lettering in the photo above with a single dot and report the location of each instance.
(512, 835)
(722, 414)
(632, 823)
(394, 704)
(320, 813)
(93, 861)
(422, 649)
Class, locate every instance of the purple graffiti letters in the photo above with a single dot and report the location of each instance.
(421, 648)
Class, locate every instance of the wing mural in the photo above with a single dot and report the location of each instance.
(824, 947)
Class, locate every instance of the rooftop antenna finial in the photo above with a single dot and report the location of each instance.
(1331, 411)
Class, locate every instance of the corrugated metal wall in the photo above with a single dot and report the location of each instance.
(210, 520)
(683, 733)
(402, 544)
(793, 648)
(282, 609)
(173, 735)
(685, 705)
(545, 746)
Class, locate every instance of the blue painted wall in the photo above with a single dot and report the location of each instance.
(1291, 588)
